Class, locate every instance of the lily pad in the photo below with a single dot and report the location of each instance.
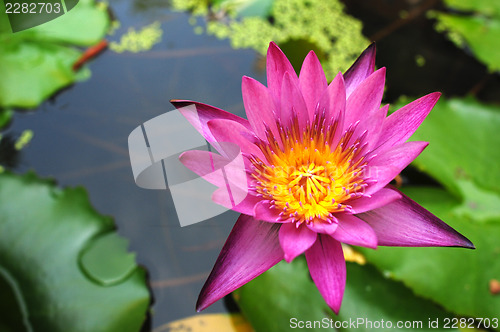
(463, 150)
(285, 297)
(49, 241)
(38, 61)
(486, 7)
(456, 278)
(462, 155)
(480, 30)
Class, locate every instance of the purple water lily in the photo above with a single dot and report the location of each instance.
(318, 158)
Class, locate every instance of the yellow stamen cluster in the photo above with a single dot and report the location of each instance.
(304, 176)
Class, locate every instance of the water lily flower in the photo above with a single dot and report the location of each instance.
(318, 161)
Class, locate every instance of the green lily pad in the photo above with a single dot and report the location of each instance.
(13, 322)
(456, 278)
(462, 155)
(106, 260)
(61, 265)
(285, 297)
(480, 31)
(38, 61)
(283, 292)
(464, 141)
(478, 204)
(486, 7)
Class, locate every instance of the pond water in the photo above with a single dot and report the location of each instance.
(81, 134)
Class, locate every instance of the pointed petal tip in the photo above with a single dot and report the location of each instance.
(311, 53)
(182, 156)
(404, 223)
(251, 249)
(288, 258)
(340, 77)
(369, 54)
(465, 243)
(334, 309)
(327, 268)
(201, 303)
(435, 96)
(178, 103)
(273, 49)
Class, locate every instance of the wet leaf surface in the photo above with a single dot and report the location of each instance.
(38, 61)
(49, 236)
(476, 25)
(285, 297)
(456, 278)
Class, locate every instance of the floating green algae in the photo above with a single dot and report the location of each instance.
(322, 25)
(139, 41)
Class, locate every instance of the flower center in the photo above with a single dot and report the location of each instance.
(307, 178)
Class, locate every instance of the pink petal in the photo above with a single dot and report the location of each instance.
(366, 98)
(229, 131)
(328, 270)
(264, 211)
(312, 82)
(277, 65)
(385, 167)
(354, 231)
(368, 128)
(372, 126)
(294, 241)
(199, 116)
(382, 197)
(361, 69)
(322, 226)
(245, 206)
(259, 107)
(400, 125)
(333, 102)
(405, 223)
(251, 249)
(292, 103)
(247, 201)
(209, 166)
